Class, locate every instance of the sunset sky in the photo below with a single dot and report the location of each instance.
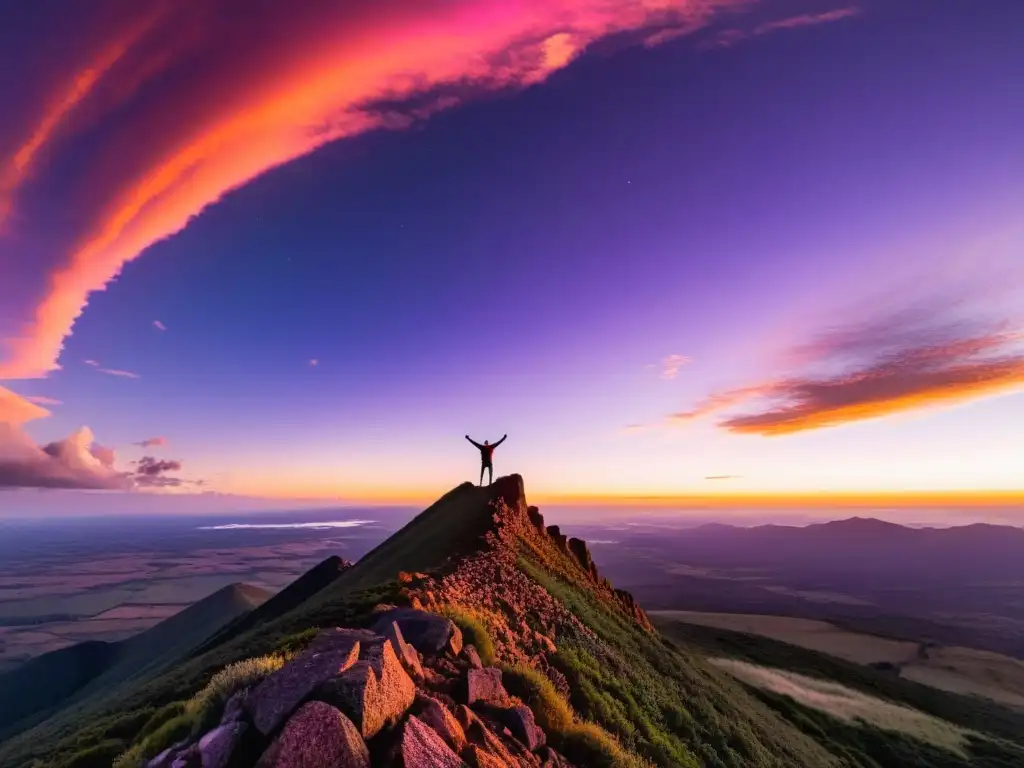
(679, 248)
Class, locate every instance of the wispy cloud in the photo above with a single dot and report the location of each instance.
(313, 363)
(722, 477)
(909, 360)
(670, 365)
(151, 472)
(291, 79)
(118, 372)
(93, 363)
(43, 400)
(152, 442)
(729, 37)
(159, 326)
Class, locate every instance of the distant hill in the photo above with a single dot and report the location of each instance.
(308, 584)
(976, 552)
(71, 674)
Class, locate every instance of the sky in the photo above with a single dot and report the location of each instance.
(675, 249)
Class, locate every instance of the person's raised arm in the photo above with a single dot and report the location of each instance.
(500, 441)
(474, 442)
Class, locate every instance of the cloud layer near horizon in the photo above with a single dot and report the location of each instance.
(261, 87)
(898, 362)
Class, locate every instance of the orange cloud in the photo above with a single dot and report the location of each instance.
(60, 107)
(276, 85)
(906, 361)
(17, 410)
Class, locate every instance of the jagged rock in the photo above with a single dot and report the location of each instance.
(165, 758)
(545, 642)
(558, 537)
(187, 758)
(520, 721)
(485, 685)
(436, 715)
(427, 632)
(234, 709)
(472, 657)
(552, 759)
(536, 518)
(317, 736)
(484, 739)
(422, 747)
(375, 692)
(276, 697)
(481, 758)
(217, 746)
(578, 548)
(406, 653)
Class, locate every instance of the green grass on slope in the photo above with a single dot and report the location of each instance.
(449, 526)
(865, 746)
(966, 711)
(662, 704)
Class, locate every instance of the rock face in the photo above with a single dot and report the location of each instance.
(375, 692)
(484, 685)
(422, 747)
(217, 746)
(436, 715)
(317, 736)
(428, 633)
(276, 697)
(472, 657)
(520, 721)
(406, 653)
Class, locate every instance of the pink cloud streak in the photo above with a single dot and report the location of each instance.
(278, 87)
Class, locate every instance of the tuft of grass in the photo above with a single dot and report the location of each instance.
(96, 756)
(591, 745)
(209, 702)
(474, 631)
(551, 711)
(292, 645)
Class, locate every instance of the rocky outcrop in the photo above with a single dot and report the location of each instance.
(484, 685)
(277, 696)
(437, 716)
(422, 747)
(317, 736)
(369, 711)
(426, 632)
(375, 692)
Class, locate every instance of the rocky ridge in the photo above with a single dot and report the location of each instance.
(407, 691)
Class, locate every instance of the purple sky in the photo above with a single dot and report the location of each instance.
(670, 247)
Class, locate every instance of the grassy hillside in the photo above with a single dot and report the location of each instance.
(82, 672)
(864, 745)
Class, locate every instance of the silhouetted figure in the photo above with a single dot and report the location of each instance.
(486, 452)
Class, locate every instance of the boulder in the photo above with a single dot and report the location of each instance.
(406, 653)
(375, 692)
(187, 758)
(480, 736)
(427, 632)
(317, 736)
(234, 709)
(552, 759)
(520, 721)
(165, 758)
(484, 685)
(436, 715)
(422, 747)
(472, 657)
(217, 747)
(277, 696)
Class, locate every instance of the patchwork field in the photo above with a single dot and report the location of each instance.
(847, 704)
(964, 671)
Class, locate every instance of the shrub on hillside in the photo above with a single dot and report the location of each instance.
(210, 701)
(474, 631)
(591, 745)
(551, 710)
(97, 756)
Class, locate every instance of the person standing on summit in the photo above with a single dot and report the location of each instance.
(486, 452)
